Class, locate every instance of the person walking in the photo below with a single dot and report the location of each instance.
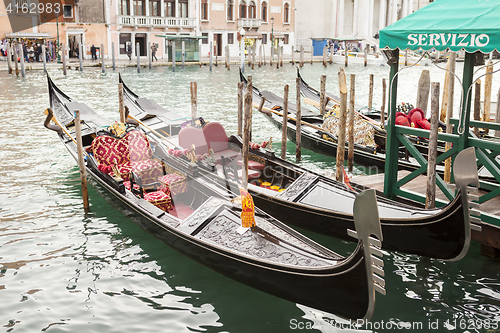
(93, 52)
(129, 51)
(154, 48)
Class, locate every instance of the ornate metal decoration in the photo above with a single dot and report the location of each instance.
(298, 185)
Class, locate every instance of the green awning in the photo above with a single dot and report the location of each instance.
(473, 25)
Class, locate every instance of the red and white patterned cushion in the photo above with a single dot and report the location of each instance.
(160, 199)
(176, 183)
(130, 153)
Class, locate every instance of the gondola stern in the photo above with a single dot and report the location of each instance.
(465, 174)
(369, 235)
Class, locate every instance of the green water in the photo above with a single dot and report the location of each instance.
(62, 271)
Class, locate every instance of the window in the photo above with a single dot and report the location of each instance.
(139, 8)
(154, 8)
(204, 10)
(230, 38)
(204, 40)
(183, 8)
(263, 14)
(286, 14)
(243, 9)
(230, 10)
(285, 39)
(251, 10)
(264, 38)
(170, 8)
(124, 7)
(67, 11)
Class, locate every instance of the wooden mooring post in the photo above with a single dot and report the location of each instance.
(16, 55)
(324, 55)
(293, 53)
(285, 123)
(247, 131)
(298, 123)
(312, 54)
(406, 57)
(365, 55)
(183, 50)
(102, 59)
(138, 52)
(80, 56)
(301, 56)
(194, 100)
(241, 98)
(211, 55)
(64, 59)
(342, 123)
(173, 56)
(121, 104)
(81, 162)
(322, 99)
(346, 55)
(382, 108)
(44, 55)
(282, 55)
(477, 105)
(9, 58)
(370, 93)
(21, 58)
(430, 198)
(497, 116)
(150, 55)
(113, 55)
(260, 54)
(424, 86)
(488, 81)
(350, 133)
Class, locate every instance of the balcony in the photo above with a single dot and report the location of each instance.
(156, 22)
(249, 23)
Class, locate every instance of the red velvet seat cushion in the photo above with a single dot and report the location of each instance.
(193, 136)
(176, 183)
(130, 153)
(160, 199)
(216, 137)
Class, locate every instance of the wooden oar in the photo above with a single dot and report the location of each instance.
(314, 103)
(269, 111)
(53, 117)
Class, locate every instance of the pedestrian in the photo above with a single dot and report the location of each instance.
(93, 52)
(129, 51)
(25, 53)
(154, 48)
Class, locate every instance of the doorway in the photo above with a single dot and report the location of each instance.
(141, 39)
(73, 43)
(218, 44)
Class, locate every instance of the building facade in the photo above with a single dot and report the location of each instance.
(360, 19)
(270, 23)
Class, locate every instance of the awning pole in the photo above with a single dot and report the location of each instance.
(466, 103)
(392, 151)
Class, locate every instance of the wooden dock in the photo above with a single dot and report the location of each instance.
(489, 237)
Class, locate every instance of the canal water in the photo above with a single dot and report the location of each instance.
(64, 271)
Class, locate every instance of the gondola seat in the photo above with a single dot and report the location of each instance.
(217, 140)
(159, 198)
(173, 183)
(193, 136)
(130, 153)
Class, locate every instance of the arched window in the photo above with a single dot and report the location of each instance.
(286, 14)
(263, 14)
(230, 10)
(243, 9)
(204, 10)
(251, 10)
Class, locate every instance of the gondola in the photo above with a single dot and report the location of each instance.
(201, 222)
(323, 205)
(315, 138)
